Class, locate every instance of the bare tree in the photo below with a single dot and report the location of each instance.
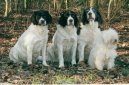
(109, 9)
(92, 3)
(10, 6)
(25, 6)
(6, 8)
(66, 4)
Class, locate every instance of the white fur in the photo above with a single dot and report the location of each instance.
(88, 34)
(92, 14)
(64, 45)
(68, 20)
(31, 43)
(104, 52)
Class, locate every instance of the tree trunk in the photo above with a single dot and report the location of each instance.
(10, 6)
(54, 3)
(109, 9)
(6, 8)
(16, 2)
(91, 3)
(66, 4)
(25, 4)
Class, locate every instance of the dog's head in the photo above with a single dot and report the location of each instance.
(68, 18)
(91, 15)
(110, 37)
(41, 17)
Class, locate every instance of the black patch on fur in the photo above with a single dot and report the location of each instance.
(64, 16)
(97, 14)
(84, 16)
(78, 30)
(41, 13)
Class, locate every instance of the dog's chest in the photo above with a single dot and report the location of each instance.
(110, 53)
(40, 40)
(70, 38)
(67, 43)
(88, 34)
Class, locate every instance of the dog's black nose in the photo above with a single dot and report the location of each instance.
(42, 21)
(70, 20)
(89, 13)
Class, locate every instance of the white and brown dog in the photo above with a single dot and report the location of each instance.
(103, 53)
(64, 43)
(33, 41)
(91, 18)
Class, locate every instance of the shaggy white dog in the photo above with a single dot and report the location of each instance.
(104, 52)
(33, 41)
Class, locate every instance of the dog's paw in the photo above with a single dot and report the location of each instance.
(45, 64)
(99, 68)
(73, 62)
(82, 64)
(61, 66)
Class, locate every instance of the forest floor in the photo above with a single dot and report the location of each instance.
(13, 26)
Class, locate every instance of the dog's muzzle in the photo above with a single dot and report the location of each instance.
(43, 22)
(71, 22)
(90, 16)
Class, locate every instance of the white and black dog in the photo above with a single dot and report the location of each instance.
(32, 43)
(103, 53)
(91, 18)
(64, 43)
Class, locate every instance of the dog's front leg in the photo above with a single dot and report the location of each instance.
(60, 55)
(44, 53)
(81, 48)
(74, 47)
(110, 64)
(29, 55)
(99, 64)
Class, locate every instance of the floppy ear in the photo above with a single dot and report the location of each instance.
(62, 20)
(33, 19)
(49, 18)
(84, 17)
(75, 20)
(60, 14)
(99, 17)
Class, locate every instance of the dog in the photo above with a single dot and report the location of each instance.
(103, 53)
(64, 42)
(91, 19)
(32, 43)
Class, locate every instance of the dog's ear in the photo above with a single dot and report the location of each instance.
(61, 14)
(75, 20)
(33, 18)
(62, 20)
(49, 19)
(84, 17)
(99, 17)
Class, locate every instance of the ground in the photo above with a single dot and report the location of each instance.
(14, 25)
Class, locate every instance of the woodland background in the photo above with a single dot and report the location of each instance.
(15, 18)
